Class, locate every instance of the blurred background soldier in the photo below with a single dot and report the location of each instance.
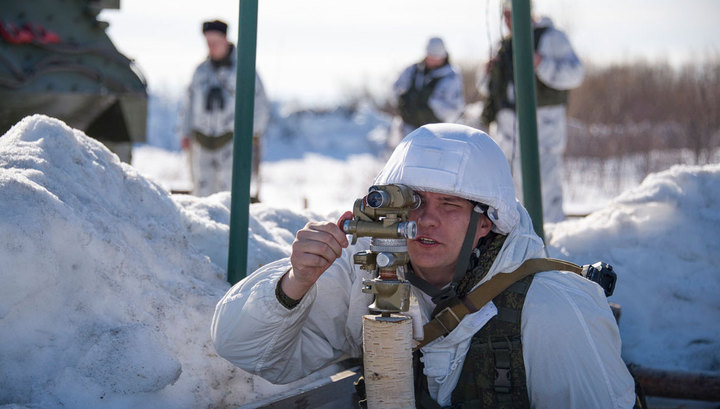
(430, 91)
(208, 118)
(557, 70)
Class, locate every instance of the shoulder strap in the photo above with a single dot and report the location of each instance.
(449, 318)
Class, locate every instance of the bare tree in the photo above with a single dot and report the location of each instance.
(644, 107)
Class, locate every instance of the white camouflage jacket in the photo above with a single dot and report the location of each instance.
(255, 332)
(561, 69)
(216, 122)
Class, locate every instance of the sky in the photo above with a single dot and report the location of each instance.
(109, 281)
(320, 51)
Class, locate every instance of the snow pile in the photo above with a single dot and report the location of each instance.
(108, 283)
(169, 168)
(662, 239)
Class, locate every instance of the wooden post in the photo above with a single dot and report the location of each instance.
(387, 347)
(703, 386)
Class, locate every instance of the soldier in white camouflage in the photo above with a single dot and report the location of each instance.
(547, 341)
(209, 113)
(557, 70)
(427, 92)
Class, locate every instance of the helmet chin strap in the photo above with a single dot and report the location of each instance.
(441, 295)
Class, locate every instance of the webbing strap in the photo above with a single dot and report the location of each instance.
(467, 246)
(449, 318)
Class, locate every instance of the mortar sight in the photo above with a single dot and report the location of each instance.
(384, 216)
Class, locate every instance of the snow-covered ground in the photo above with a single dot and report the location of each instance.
(108, 281)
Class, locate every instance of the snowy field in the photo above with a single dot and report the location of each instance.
(109, 281)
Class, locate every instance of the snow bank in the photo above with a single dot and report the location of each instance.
(662, 238)
(109, 282)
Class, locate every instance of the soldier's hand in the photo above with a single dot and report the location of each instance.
(316, 247)
(537, 59)
(185, 143)
(489, 65)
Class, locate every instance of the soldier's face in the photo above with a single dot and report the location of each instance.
(433, 62)
(217, 44)
(507, 16)
(442, 221)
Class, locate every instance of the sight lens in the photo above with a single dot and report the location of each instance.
(377, 198)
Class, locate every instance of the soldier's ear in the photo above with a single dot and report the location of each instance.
(483, 227)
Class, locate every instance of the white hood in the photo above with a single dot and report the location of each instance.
(456, 160)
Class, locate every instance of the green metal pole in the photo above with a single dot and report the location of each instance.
(523, 50)
(242, 147)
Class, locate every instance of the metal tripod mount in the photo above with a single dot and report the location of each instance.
(383, 214)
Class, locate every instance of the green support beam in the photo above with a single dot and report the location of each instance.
(523, 50)
(242, 148)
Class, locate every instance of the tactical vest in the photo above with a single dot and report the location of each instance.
(502, 74)
(413, 103)
(493, 375)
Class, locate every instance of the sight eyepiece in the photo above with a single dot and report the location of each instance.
(392, 197)
(378, 198)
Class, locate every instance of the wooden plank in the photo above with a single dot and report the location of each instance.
(678, 384)
(337, 391)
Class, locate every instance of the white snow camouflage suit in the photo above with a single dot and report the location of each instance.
(560, 69)
(446, 101)
(209, 110)
(570, 340)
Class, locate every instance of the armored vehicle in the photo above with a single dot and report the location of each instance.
(56, 59)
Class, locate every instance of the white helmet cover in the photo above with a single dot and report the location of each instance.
(457, 160)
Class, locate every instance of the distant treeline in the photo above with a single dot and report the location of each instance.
(643, 107)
